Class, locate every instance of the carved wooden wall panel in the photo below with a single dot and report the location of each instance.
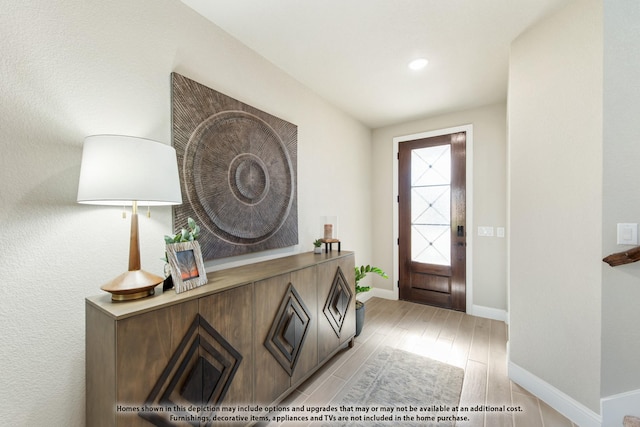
(238, 171)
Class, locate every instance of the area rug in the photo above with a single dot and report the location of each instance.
(400, 388)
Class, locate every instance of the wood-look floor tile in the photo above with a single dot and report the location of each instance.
(530, 415)
(359, 357)
(450, 327)
(480, 342)
(552, 418)
(476, 344)
(326, 391)
(515, 388)
(474, 392)
(462, 343)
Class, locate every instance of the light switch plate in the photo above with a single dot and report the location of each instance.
(627, 234)
(485, 231)
(500, 231)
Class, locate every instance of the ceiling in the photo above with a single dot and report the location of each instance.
(354, 53)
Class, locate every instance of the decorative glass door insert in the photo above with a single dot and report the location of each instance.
(431, 205)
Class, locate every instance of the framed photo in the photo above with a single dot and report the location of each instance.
(187, 266)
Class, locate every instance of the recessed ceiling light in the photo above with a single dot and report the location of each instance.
(418, 64)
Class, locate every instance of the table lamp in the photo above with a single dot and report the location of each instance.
(129, 171)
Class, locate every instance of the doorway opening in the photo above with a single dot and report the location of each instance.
(433, 255)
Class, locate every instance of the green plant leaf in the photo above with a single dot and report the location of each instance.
(362, 271)
(361, 289)
(185, 235)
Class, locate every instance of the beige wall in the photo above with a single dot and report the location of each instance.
(489, 197)
(621, 285)
(555, 201)
(74, 68)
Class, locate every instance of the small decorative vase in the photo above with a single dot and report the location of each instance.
(317, 250)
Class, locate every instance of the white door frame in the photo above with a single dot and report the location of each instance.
(469, 202)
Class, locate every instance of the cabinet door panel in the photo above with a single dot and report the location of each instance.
(231, 314)
(146, 344)
(347, 266)
(305, 283)
(336, 305)
(271, 380)
(100, 373)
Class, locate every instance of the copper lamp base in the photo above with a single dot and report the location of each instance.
(132, 285)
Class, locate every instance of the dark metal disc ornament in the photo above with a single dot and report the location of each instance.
(238, 172)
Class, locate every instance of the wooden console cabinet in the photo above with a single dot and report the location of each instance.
(249, 336)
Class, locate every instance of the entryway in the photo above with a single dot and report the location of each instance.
(432, 220)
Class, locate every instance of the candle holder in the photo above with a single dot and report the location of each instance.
(330, 232)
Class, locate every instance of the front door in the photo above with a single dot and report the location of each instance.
(432, 212)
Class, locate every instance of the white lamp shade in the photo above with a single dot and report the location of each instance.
(119, 170)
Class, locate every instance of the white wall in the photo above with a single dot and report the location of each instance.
(555, 201)
(489, 198)
(73, 68)
(621, 285)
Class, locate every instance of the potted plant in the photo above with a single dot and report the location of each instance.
(317, 246)
(361, 272)
(185, 235)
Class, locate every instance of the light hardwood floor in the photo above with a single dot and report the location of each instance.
(475, 344)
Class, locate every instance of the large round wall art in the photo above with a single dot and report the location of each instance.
(237, 168)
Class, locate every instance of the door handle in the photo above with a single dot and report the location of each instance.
(462, 251)
(461, 231)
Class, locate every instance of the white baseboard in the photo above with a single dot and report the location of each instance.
(377, 292)
(488, 313)
(567, 406)
(475, 310)
(614, 408)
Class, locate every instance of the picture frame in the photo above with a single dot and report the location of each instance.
(187, 265)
